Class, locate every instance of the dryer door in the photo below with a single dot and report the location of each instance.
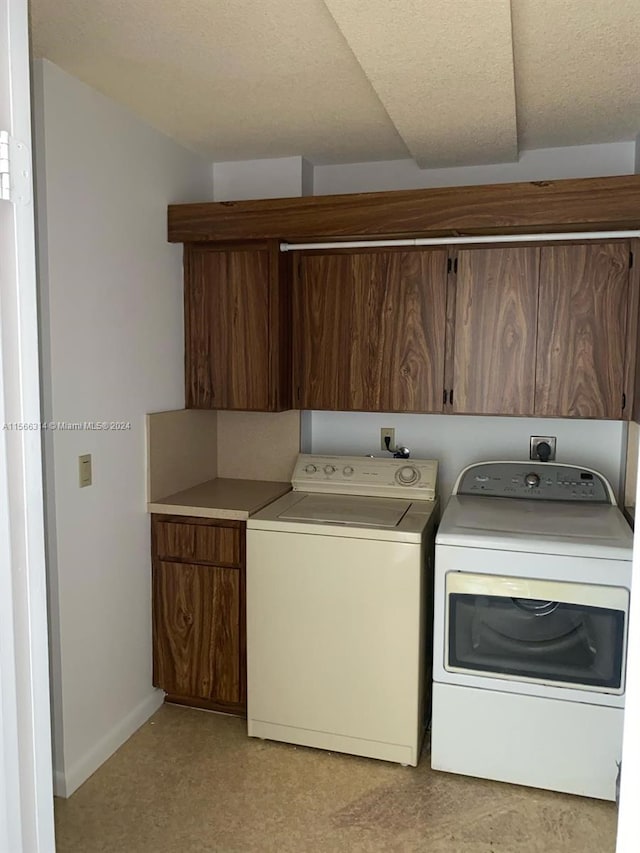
(548, 632)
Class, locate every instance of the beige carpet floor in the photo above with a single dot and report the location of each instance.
(189, 782)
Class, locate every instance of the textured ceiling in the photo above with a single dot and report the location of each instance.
(355, 80)
(577, 70)
(442, 79)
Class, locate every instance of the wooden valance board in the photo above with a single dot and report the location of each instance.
(586, 204)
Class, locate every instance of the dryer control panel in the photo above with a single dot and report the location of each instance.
(535, 481)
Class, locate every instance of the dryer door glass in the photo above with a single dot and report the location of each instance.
(544, 639)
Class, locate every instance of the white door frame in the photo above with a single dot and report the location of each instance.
(26, 795)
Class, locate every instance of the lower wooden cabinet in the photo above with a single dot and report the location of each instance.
(199, 611)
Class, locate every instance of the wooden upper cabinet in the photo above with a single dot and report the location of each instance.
(370, 330)
(322, 307)
(583, 337)
(237, 327)
(494, 352)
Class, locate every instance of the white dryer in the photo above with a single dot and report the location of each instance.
(339, 607)
(532, 580)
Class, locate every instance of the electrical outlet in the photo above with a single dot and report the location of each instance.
(537, 440)
(391, 434)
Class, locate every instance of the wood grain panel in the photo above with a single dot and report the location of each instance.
(196, 637)
(198, 307)
(450, 336)
(237, 327)
(582, 329)
(495, 331)
(371, 328)
(281, 329)
(401, 303)
(632, 372)
(586, 204)
(323, 332)
(198, 543)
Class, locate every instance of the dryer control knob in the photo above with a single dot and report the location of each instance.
(310, 469)
(329, 469)
(532, 480)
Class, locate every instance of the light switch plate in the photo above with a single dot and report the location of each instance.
(84, 470)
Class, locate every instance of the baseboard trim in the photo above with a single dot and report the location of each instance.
(65, 783)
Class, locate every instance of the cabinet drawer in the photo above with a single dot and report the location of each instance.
(197, 543)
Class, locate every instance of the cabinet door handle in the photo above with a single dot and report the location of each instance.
(444, 397)
(451, 397)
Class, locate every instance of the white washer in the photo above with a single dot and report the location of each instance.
(339, 607)
(532, 580)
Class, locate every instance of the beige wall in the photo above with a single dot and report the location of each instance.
(181, 451)
(257, 445)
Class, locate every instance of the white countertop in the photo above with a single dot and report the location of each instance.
(221, 498)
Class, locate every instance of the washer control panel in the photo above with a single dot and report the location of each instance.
(535, 481)
(365, 475)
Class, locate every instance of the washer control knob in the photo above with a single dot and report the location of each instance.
(532, 480)
(329, 469)
(347, 470)
(407, 475)
(310, 469)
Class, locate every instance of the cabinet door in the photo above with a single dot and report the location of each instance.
(494, 351)
(370, 331)
(582, 330)
(236, 334)
(196, 637)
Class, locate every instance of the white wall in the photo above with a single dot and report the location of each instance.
(279, 177)
(459, 440)
(583, 161)
(112, 350)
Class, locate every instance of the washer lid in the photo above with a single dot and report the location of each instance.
(346, 509)
(593, 530)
